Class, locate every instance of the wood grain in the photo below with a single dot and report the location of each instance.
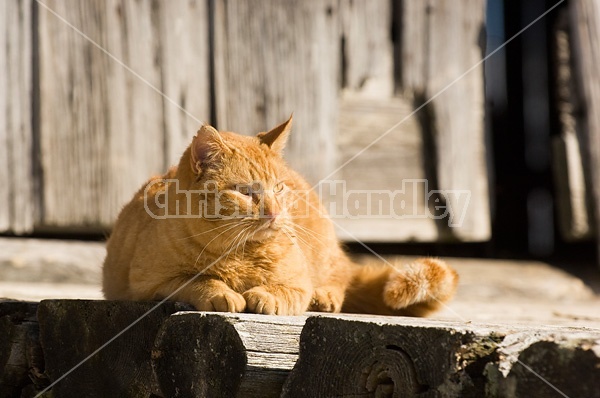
(21, 361)
(279, 58)
(585, 20)
(71, 330)
(17, 201)
(111, 104)
(158, 351)
(243, 355)
(573, 188)
(361, 355)
(185, 60)
(440, 42)
(391, 169)
(376, 356)
(101, 125)
(367, 48)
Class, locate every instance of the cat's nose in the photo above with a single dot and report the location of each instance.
(271, 212)
(271, 218)
(271, 215)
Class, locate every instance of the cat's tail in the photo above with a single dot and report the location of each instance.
(413, 289)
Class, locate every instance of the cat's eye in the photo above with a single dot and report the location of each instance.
(279, 187)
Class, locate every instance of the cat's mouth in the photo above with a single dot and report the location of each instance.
(268, 227)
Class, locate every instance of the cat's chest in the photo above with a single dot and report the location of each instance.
(258, 267)
(242, 274)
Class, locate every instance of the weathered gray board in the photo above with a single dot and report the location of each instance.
(440, 147)
(585, 25)
(379, 195)
(279, 58)
(352, 356)
(440, 43)
(240, 355)
(185, 60)
(104, 128)
(16, 132)
(573, 187)
(192, 354)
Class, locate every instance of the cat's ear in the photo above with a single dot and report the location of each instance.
(278, 136)
(206, 145)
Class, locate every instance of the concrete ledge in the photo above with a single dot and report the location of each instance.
(166, 352)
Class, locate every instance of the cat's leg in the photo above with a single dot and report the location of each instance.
(330, 290)
(277, 299)
(205, 293)
(327, 299)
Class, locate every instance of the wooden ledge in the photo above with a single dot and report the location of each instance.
(171, 351)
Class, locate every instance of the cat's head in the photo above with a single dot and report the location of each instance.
(245, 178)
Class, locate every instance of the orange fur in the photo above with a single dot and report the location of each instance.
(280, 257)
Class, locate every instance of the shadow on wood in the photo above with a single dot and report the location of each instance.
(73, 330)
(227, 355)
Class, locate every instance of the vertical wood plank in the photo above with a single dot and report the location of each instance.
(101, 125)
(4, 188)
(390, 168)
(569, 161)
(185, 60)
(411, 43)
(16, 133)
(367, 48)
(459, 111)
(585, 23)
(274, 59)
(453, 122)
(368, 108)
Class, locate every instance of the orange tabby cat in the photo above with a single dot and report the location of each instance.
(233, 228)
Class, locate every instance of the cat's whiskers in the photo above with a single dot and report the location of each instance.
(217, 219)
(246, 238)
(210, 241)
(312, 232)
(291, 238)
(260, 228)
(318, 238)
(207, 231)
(244, 244)
(298, 239)
(234, 242)
(241, 237)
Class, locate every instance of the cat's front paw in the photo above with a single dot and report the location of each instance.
(326, 300)
(227, 301)
(260, 301)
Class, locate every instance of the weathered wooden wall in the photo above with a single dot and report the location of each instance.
(17, 199)
(442, 70)
(571, 162)
(439, 148)
(119, 88)
(185, 60)
(104, 127)
(585, 23)
(264, 72)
